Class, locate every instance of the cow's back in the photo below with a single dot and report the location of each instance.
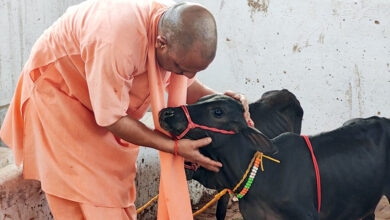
(353, 162)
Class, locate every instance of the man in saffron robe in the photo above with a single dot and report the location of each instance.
(73, 121)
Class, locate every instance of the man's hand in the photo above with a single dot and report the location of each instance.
(244, 102)
(137, 133)
(189, 149)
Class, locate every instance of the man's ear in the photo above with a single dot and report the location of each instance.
(161, 42)
(259, 141)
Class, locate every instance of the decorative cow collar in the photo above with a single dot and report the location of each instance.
(256, 161)
(191, 124)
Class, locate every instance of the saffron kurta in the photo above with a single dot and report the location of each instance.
(86, 71)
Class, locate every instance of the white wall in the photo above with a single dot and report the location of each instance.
(334, 55)
(21, 23)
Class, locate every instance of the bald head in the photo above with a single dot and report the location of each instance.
(189, 27)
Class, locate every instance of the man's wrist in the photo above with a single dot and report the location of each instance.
(164, 143)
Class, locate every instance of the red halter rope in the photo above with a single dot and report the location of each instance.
(317, 171)
(191, 125)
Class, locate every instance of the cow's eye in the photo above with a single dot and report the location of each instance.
(218, 112)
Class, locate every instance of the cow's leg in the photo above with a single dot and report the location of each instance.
(222, 207)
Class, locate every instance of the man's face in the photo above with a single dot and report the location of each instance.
(186, 63)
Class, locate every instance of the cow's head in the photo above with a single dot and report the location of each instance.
(224, 113)
(216, 111)
(276, 112)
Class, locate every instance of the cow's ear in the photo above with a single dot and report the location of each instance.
(259, 141)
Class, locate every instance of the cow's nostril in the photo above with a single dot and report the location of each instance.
(168, 113)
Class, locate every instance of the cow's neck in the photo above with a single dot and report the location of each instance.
(235, 159)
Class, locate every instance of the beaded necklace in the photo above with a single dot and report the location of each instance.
(256, 161)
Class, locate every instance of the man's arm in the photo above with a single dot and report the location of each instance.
(137, 133)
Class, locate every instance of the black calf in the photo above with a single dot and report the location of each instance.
(353, 162)
(276, 112)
